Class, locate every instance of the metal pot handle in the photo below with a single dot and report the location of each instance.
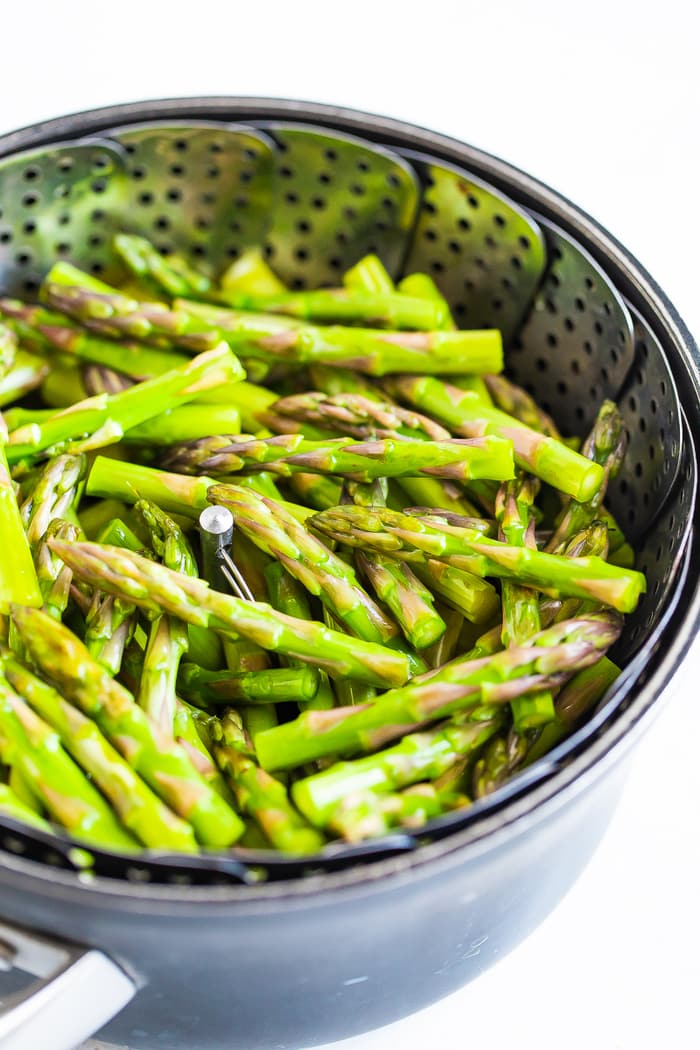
(79, 991)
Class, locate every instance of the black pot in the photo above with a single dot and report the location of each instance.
(311, 960)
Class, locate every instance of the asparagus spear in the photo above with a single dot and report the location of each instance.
(28, 742)
(369, 274)
(110, 625)
(8, 349)
(157, 589)
(458, 459)
(502, 757)
(446, 646)
(164, 766)
(307, 559)
(250, 273)
(258, 794)
(400, 589)
(464, 413)
(138, 808)
(186, 423)
(288, 596)
(419, 756)
(171, 273)
(23, 790)
(18, 580)
(368, 350)
(27, 373)
(521, 607)
(270, 338)
(47, 330)
(473, 597)
(403, 593)
(364, 814)
(359, 416)
(360, 413)
(552, 656)
(12, 806)
(169, 638)
(606, 445)
(266, 686)
(190, 733)
(517, 402)
(316, 490)
(417, 539)
(334, 379)
(103, 420)
(578, 697)
(346, 305)
(98, 379)
(54, 494)
(173, 493)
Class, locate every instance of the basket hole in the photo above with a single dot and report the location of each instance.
(31, 173)
(145, 199)
(464, 224)
(580, 303)
(30, 199)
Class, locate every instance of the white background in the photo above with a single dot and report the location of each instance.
(601, 100)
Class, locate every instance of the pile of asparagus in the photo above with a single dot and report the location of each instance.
(435, 574)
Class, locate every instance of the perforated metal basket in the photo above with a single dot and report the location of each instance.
(320, 188)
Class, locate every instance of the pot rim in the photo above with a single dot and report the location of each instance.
(536, 803)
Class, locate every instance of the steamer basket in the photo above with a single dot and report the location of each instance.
(320, 187)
